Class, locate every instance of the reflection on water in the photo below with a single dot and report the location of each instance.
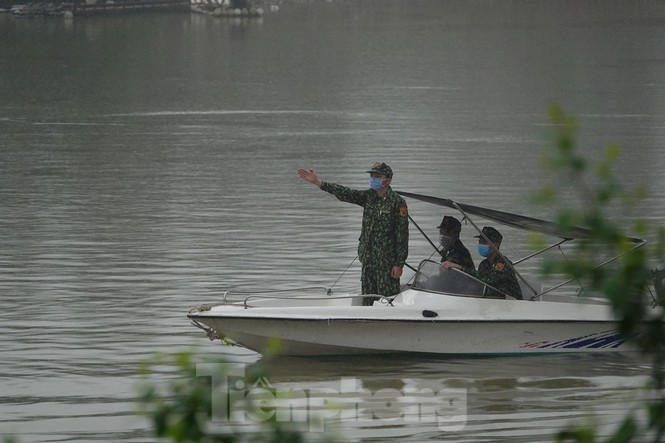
(147, 163)
(461, 399)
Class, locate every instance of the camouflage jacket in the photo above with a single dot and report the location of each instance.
(384, 239)
(458, 254)
(500, 276)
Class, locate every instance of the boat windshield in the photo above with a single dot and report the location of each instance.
(432, 277)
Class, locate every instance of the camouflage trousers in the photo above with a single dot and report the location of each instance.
(377, 281)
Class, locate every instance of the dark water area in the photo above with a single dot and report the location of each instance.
(147, 164)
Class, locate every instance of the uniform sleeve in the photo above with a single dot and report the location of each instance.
(460, 255)
(471, 271)
(402, 234)
(342, 193)
(507, 280)
(467, 260)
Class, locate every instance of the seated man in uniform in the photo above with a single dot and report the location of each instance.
(452, 248)
(494, 270)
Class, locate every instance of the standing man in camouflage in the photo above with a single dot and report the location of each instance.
(494, 270)
(384, 239)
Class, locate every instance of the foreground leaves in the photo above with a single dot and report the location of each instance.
(627, 281)
(194, 407)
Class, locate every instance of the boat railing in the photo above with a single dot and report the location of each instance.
(268, 297)
(298, 300)
(262, 292)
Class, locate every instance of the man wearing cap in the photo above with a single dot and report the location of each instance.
(384, 239)
(494, 270)
(452, 248)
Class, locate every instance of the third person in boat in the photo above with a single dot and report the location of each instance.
(452, 248)
(495, 270)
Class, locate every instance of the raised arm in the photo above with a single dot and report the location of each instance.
(310, 176)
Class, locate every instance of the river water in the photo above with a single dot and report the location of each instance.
(148, 162)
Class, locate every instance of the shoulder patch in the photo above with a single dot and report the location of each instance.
(403, 211)
(499, 266)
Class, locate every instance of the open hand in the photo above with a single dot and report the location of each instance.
(309, 175)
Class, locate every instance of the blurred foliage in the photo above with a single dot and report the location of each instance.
(627, 281)
(183, 409)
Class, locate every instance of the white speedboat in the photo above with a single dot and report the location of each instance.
(437, 312)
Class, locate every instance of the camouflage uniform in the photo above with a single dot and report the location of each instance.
(384, 239)
(458, 254)
(498, 275)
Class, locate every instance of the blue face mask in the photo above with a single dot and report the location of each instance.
(484, 250)
(375, 183)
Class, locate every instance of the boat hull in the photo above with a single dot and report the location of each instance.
(419, 323)
(339, 337)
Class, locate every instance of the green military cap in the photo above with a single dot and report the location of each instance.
(381, 168)
(492, 234)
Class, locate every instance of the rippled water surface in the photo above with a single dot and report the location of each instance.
(147, 163)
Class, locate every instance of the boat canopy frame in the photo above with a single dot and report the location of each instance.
(565, 234)
(509, 219)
